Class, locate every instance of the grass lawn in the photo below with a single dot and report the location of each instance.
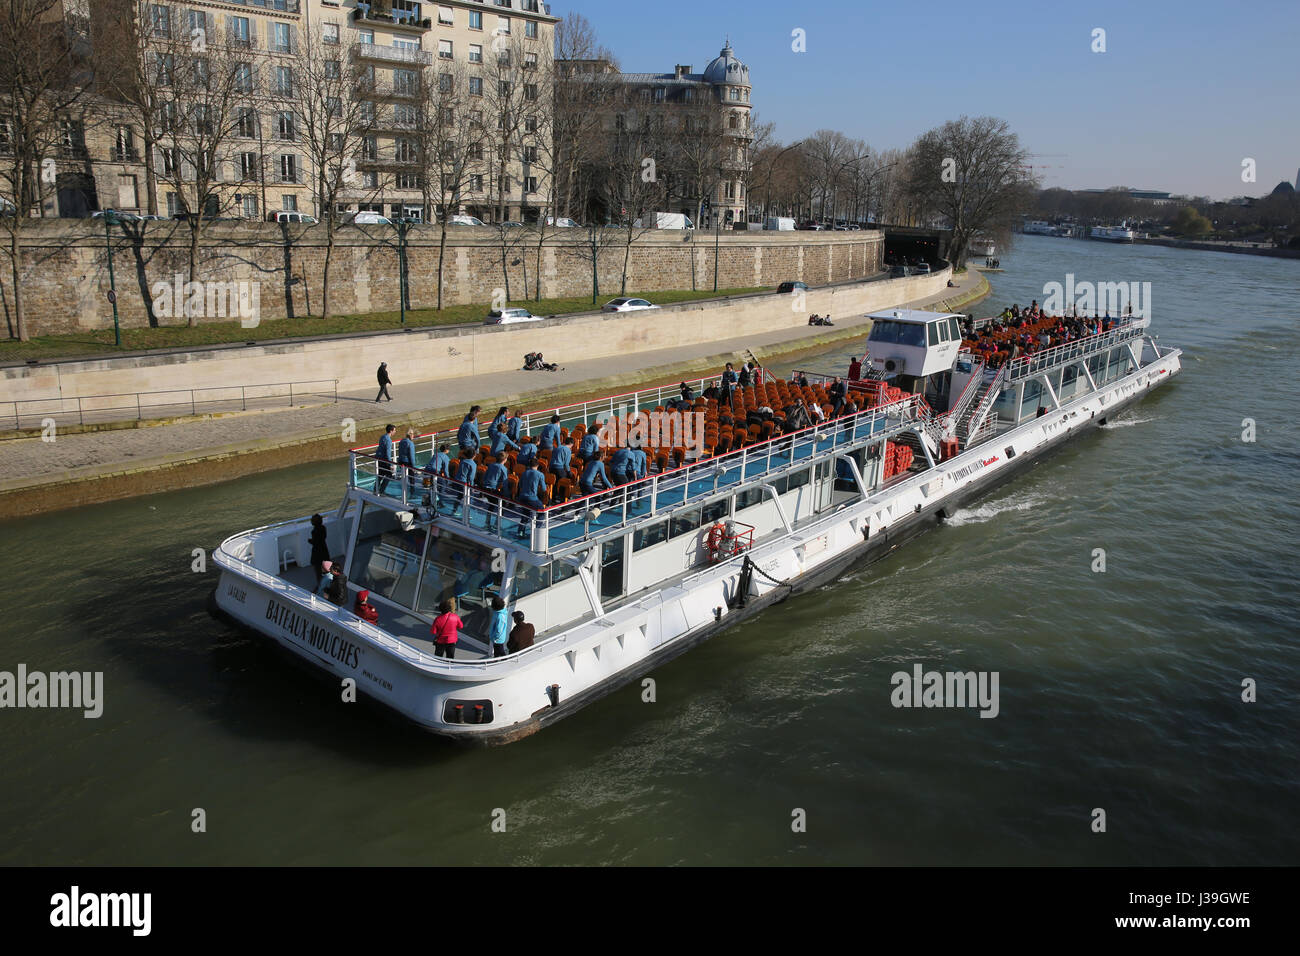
(98, 343)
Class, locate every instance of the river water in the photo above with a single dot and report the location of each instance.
(1119, 691)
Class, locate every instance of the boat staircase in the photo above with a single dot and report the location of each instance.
(975, 419)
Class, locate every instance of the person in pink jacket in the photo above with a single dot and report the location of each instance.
(445, 630)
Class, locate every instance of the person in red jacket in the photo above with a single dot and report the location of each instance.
(364, 609)
(445, 630)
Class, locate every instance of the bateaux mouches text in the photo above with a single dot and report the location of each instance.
(316, 636)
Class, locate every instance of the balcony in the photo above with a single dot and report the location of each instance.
(398, 18)
(124, 155)
(392, 54)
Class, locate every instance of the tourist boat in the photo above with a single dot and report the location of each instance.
(1112, 233)
(980, 246)
(1038, 227)
(622, 581)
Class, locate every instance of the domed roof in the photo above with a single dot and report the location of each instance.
(725, 68)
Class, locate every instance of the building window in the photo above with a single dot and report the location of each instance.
(476, 117)
(283, 38)
(330, 32)
(370, 148)
(162, 20)
(476, 152)
(447, 116)
(288, 168)
(475, 20)
(735, 95)
(173, 205)
(476, 183)
(503, 57)
(444, 82)
(530, 61)
(244, 77)
(446, 16)
(333, 69)
(335, 142)
(289, 202)
(404, 115)
(370, 179)
(285, 127)
(530, 184)
(530, 124)
(619, 122)
(162, 68)
(476, 86)
(530, 29)
(444, 50)
(503, 26)
(530, 91)
(248, 166)
(365, 36)
(124, 151)
(239, 32)
(250, 206)
(284, 80)
(334, 106)
(503, 87)
(408, 180)
(246, 124)
(476, 53)
(405, 151)
(404, 82)
(530, 154)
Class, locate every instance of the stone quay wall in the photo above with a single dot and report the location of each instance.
(65, 281)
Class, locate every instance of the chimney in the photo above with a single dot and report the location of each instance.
(680, 70)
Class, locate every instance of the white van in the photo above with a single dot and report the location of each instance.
(367, 218)
(563, 223)
(464, 221)
(779, 223)
(300, 217)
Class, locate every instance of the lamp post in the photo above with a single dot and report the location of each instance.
(110, 220)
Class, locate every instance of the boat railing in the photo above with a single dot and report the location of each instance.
(958, 408)
(579, 519)
(1027, 366)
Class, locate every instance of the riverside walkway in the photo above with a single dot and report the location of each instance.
(38, 475)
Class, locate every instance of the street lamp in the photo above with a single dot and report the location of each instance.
(110, 220)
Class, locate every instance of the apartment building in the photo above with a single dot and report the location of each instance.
(263, 164)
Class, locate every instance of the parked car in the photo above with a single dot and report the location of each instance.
(626, 305)
(513, 225)
(287, 216)
(367, 218)
(922, 268)
(899, 271)
(563, 223)
(510, 316)
(787, 287)
(125, 216)
(779, 223)
(464, 221)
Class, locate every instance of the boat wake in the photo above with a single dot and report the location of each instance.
(1129, 422)
(990, 510)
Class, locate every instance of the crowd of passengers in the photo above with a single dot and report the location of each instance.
(555, 465)
(1017, 332)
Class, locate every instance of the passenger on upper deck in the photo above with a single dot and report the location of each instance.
(467, 435)
(640, 463)
(500, 440)
(594, 477)
(688, 393)
(549, 436)
(499, 419)
(532, 485)
(385, 456)
(560, 458)
(527, 453)
(439, 463)
(855, 369)
(515, 426)
(406, 455)
(466, 471)
(496, 478)
(590, 447)
(621, 466)
(726, 384)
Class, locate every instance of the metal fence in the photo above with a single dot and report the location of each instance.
(168, 403)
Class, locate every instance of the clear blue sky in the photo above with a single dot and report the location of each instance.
(1183, 93)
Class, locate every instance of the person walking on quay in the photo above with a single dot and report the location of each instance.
(384, 382)
(320, 551)
(385, 459)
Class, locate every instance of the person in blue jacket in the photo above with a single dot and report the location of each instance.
(532, 485)
(561, 455)
(500, 628)
(467, 435)
(549, 436)
(500, 441)
(494, 479)
(640, 463)
(499, 419)
(438, 466)
(406, 457)
(515, 426)
(590, 447)
(466, 473)
(385, 456)
(594, 472)
(621, 466)
(527, 453)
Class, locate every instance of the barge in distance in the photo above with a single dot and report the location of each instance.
(619, 582)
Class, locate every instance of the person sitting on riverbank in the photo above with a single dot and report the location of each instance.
(364, 609)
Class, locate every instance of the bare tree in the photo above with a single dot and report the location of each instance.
(693, 151)
(203, 79)
(974, 174)
(585, 80)
(329, 104)
(630, 188)
(827, 150)
(42, 91)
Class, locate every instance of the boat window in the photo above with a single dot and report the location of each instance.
(888, 332)
(933, 328)
(715, 511)
(683, 523)
(1030, 402)
(780, 484)
(648, 537)
(798, 479)
(954, 330)
(529, 579)
(456, 567)
(562, 571)
(386, 559)
(747, 499)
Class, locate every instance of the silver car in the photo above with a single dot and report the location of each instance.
(510, 316)
(626, 305)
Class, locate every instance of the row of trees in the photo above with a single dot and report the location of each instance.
(1273, 217)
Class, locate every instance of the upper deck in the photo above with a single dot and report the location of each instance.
(732, 457)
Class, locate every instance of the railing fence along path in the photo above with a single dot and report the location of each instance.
(164, 403)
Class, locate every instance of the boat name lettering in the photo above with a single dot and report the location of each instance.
(377, 679)
(970, 469)
(315, 636)
(237, 593)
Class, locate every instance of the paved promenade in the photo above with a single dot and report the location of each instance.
(77, 458)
